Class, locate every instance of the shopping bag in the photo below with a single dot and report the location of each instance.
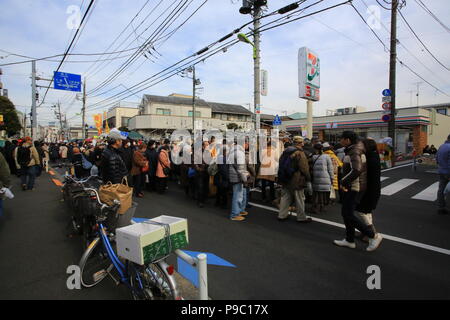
(332, 194)
(120, 191)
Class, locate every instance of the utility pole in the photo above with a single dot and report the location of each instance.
(392, 75)
(60, 120)
(193, 99)
(33, 101)
(257, 65)
(83, 111)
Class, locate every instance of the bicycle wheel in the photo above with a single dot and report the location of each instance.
(94, 264)
(158, 281)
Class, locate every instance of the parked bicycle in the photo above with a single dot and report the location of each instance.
(154, 280)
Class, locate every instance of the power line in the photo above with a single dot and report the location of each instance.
(118, 71)
(68, 49)
(424, 7)
(401, 62)
(201, 58)
(417, 37)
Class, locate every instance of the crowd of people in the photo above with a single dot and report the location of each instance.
(296, 175)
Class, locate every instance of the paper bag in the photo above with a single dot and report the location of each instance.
(121, 192)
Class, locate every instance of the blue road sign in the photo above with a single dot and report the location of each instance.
(386, 93)
(276, 121)
(386, 118)
(67, 81)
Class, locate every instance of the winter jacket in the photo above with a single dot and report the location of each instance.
(269, 164)
(443, 158)
(337, 164)
(323, 173)
(152, 157)
(301, 166)
(237, 168)
(34, 155)
(77, 161)
(139, 162)
(369, 201)
(127, 157)
(355, 169)
(112, 166)
(5, 176)
(163, 162)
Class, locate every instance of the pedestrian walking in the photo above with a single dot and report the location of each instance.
(294, 176)
(238, 175)
(443, 162)
(372, 195)
(353, 185)
(27, 160)
(322, 179)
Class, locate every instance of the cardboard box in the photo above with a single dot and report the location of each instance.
(145, 242)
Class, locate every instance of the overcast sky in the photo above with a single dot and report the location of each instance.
(354, 64)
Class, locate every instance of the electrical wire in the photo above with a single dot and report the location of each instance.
(421, 42)
(121, 69)
(401, 62)
(202, 50)
(166, 75)
(68, 49)
(424, 7)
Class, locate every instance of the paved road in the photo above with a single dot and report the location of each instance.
(274, 260)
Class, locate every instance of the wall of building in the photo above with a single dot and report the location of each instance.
(119, 113)
(438, 131)
(151, 122)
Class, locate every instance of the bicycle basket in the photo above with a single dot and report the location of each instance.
(115, 220)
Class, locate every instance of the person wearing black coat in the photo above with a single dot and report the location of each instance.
(222, 183)
(113, 168)
(369, 200)
(152, 156)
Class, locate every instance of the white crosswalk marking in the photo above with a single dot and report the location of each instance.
(383, 178)
(429, 194)
(397, 186)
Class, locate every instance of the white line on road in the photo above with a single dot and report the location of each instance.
(397, 186)
(429, 194)
(397, 167)
(383, 178)
(385, 236)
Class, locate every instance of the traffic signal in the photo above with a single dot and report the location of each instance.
(246, 6)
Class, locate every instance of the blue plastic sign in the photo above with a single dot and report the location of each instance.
(67, 81)
(386, 93)
(386, 118)
(276, 121)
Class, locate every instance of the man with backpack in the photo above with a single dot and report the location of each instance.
(27, 160)
(294, 176)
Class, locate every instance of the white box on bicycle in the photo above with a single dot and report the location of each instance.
(147, 241)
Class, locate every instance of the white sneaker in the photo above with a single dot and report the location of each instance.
(345, 243)
(375, 242)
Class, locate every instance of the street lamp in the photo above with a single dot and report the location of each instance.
(243, 38)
